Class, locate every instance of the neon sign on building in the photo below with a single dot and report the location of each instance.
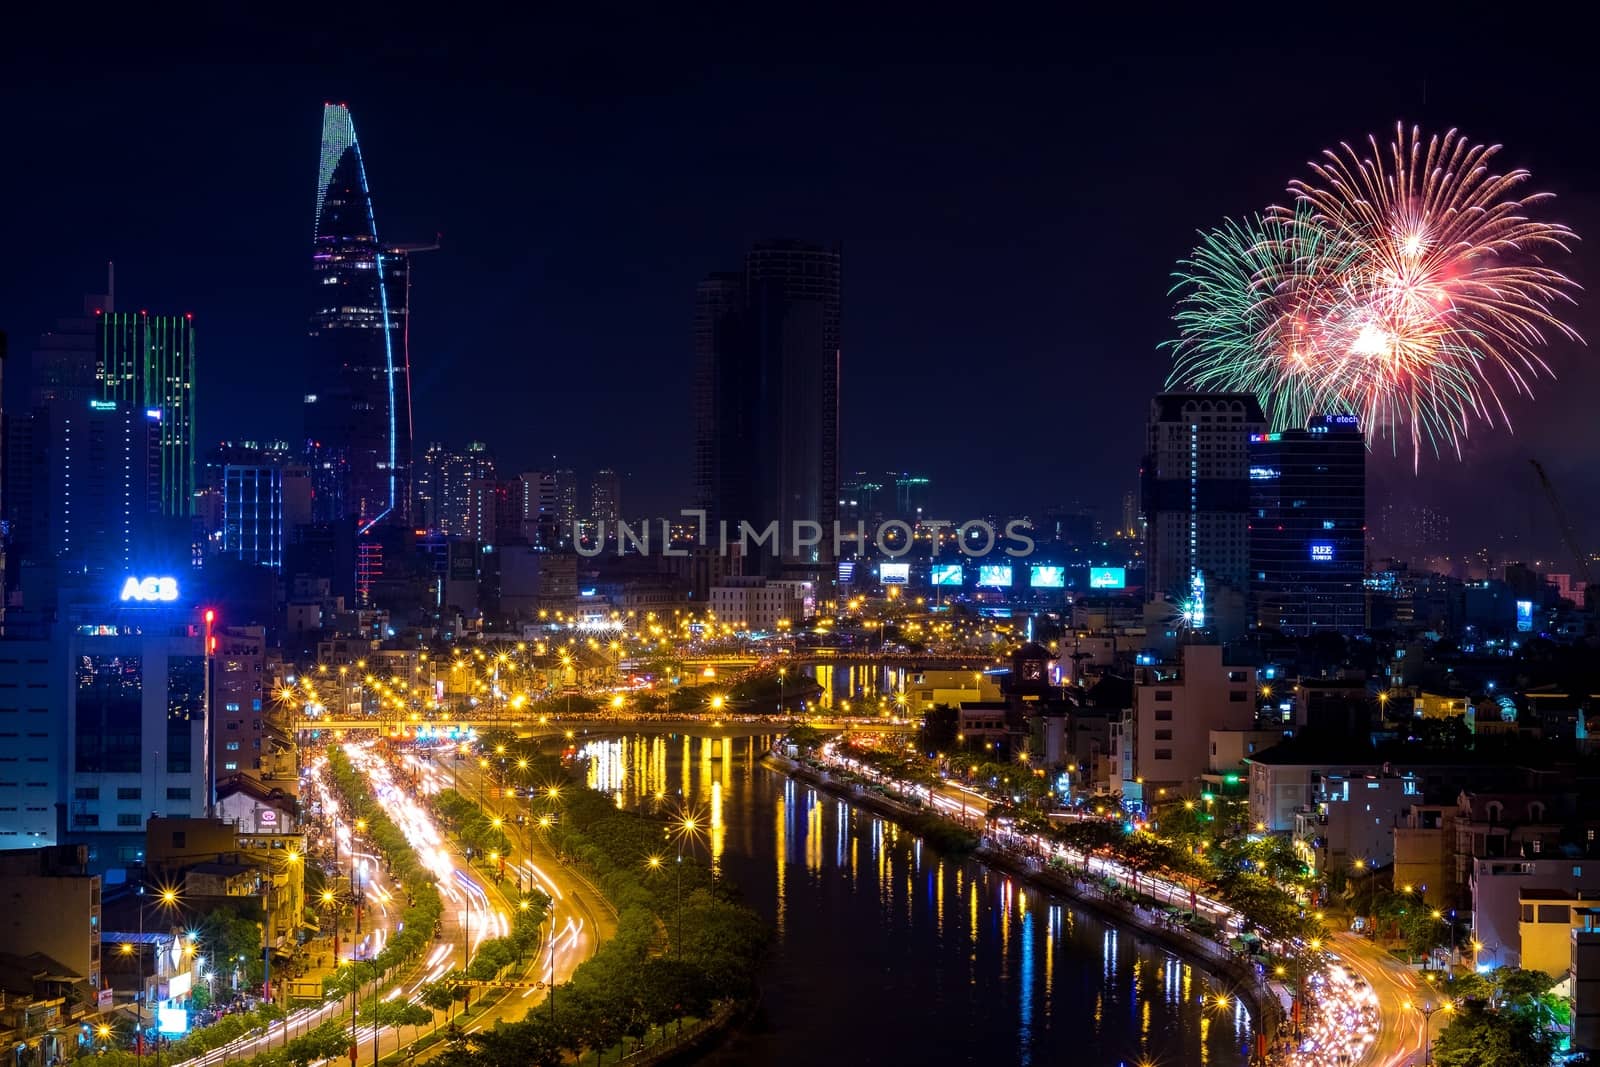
(150, 590)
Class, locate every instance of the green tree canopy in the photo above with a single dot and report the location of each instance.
(1480, 1037)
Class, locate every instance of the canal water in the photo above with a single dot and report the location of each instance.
(887, 952)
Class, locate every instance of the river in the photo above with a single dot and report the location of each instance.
(887, 952)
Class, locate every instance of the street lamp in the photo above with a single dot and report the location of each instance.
(1427, 1011)
(168, 898)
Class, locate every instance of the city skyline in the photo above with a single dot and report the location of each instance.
(957, 517)
(929, 310)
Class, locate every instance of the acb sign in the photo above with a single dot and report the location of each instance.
(150, 590)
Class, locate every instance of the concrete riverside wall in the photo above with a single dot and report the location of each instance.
(1265, 1007)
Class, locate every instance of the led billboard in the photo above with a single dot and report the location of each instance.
(1047, 576)
(894, 573)
(994, 574)
(944, 574)
(1108, 578)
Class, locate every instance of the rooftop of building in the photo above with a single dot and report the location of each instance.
(1173, 407)
(250, 786)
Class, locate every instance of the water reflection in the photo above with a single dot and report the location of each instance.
(861, 685)
(947, 960)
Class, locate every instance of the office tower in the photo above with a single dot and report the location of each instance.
(136, 720)
(468, 510)
(252, 515)
(63, 373)
(566, 487)
(724, 385)
(1196, 490)
(767, 390)
(481, 518)
(428, 487)
(1308, 527)
(605, 496)
(910, 496)
(444, 487)
(224, 454)
(509, 529)
(146, 363)
(538, 504)
(358, 400)
(105, 480)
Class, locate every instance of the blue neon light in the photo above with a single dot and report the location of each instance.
(388, 342)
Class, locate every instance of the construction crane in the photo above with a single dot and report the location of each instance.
(1569, 537)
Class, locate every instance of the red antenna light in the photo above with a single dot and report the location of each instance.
(211, 616)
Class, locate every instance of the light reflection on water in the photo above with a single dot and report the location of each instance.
(888, 952)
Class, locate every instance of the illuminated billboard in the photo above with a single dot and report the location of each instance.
(894, 573)
(994, 574)
(150, 590)
(1108, 578)
(1524, 616)
(1321, 552)
(944, 574)
(1048, 576)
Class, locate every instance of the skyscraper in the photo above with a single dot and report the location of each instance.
(1308, 527)
(358, 405)
(725, 382)
(146, 363)
(605, 496)
(252, 514)
(63, 365)
(767, 390)
(538, 507)
(105, 479)
(445, 500)
(1196, 489)
(566, 484)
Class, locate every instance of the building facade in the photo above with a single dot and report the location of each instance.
(1196, 490)
(1175, 710)
(239, 675)
(253, 515)
(767, 349)
(761, 604)
(50, 904)
(1307, 525)
(136, 724)
(32, 736)
(147, 365)
(105, 482)
(605, 496)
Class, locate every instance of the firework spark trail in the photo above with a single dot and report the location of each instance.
(1403, 289)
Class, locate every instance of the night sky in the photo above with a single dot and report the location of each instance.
(1010, 198)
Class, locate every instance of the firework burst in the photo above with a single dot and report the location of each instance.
(1408, 287)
